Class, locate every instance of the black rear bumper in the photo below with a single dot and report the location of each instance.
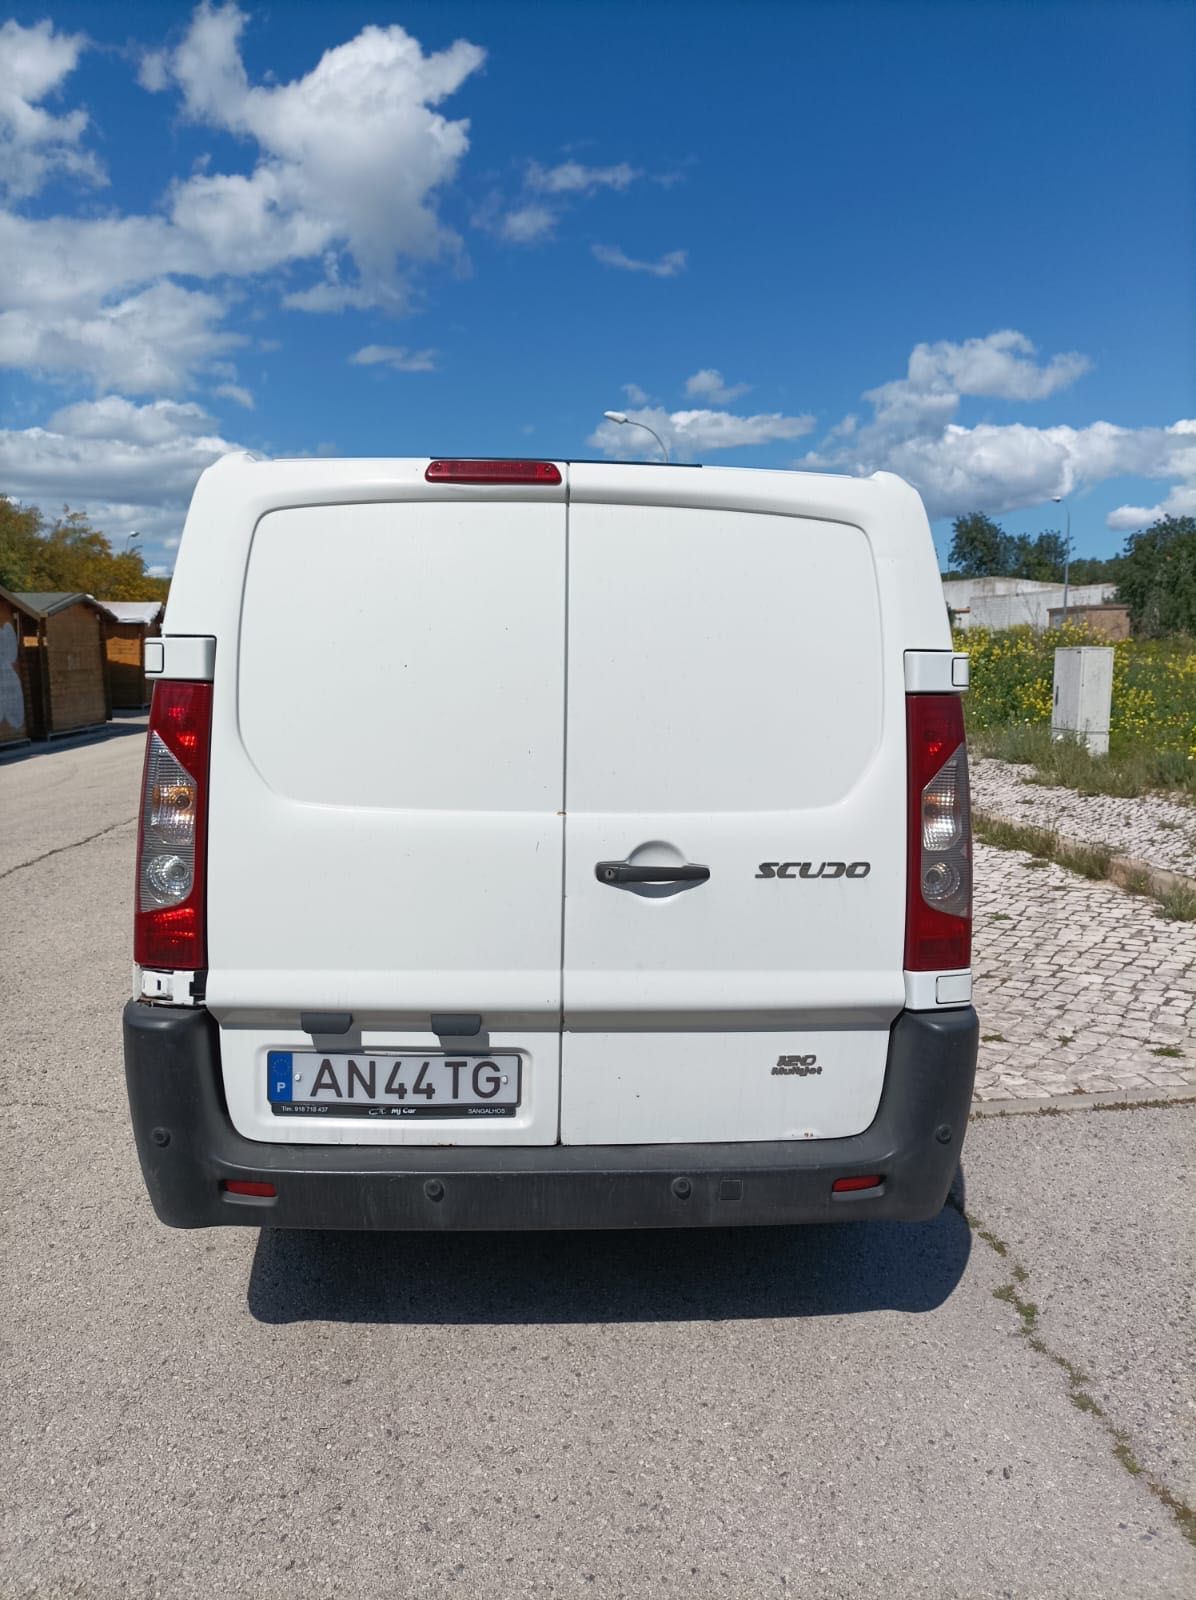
(189, 1149)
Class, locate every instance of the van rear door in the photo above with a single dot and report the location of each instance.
(736, 736)
(385, 828)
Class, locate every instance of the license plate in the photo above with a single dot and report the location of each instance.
(408, 1084)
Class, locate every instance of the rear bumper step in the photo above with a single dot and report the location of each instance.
(189, 1150)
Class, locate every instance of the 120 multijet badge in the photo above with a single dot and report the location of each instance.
(797, 1067)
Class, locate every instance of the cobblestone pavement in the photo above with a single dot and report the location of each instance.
(1150, 827)
(1081, 987)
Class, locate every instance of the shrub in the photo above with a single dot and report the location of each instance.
(1152, 735)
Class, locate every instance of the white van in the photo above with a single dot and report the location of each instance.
(532, 844)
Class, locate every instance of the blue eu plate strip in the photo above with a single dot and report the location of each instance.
(278, 1075)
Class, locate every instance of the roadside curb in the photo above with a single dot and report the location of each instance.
(1110, 1100)
(1127, 872)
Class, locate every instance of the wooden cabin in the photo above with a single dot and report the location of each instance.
(15, 710)
(128, 624)
(68, 670)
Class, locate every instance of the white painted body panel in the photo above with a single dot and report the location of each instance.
(382, 839)
(244, 1045)
(724, 711)
(436, 707)
(648, 1088)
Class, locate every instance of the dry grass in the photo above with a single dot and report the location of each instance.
(1067, 764)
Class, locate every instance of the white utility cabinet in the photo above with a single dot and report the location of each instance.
(1083, 696)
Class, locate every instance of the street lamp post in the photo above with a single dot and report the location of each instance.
(1061, 500)
(129, 539)
(623, 420)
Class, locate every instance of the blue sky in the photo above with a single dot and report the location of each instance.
(955, 241)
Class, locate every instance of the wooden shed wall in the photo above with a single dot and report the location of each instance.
(35, 673)
(13, 669)
(1107, 621)
(126, 663)
(75, 669)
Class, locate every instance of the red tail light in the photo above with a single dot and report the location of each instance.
(168, 919)
(545, 472)
(938, 916)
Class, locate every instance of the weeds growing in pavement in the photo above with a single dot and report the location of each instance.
(1089, 860)
(1095, 861)
(1178, 904)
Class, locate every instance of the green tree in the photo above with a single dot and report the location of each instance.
(69, 554)
(980, 547)
(1090, 569)
(21, 545)
(1040, 558)
(1158, 577)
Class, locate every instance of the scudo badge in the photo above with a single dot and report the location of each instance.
(807, 869)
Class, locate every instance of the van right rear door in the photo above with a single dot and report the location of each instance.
(735, 834)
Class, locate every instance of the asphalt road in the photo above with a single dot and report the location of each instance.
(928, 1410)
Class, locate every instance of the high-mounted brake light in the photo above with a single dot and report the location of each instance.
(938, 918)
(544, 472)
(168, 920)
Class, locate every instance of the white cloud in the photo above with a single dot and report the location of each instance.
(129, 466)
(690, 433)
(396, 356)
(635, 395)
(153, 71)
(1181, 501)
(112, 449)
(995, 467)
(547, 191)
(116, 419)
(1001, 364)
(350, 160)
(668, 266)
(145, 343)
(34, 143)
(708, 384)
(353, 152)
(571, 177)
(235, 392)
(528, 224)
(330, 295)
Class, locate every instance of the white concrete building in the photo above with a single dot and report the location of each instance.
(1008, 602)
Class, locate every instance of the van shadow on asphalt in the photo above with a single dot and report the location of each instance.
(701, 1275)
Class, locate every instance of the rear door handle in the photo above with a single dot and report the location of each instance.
(617, 872)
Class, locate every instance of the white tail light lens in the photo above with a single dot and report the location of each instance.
(944, 803)
(946, 860)
(168, 842)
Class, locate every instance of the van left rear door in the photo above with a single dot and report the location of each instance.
(385, 825)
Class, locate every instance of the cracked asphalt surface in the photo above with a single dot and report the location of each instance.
(831, 1411)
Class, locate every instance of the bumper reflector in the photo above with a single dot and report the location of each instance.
(849, 1185)
(262, 1191)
